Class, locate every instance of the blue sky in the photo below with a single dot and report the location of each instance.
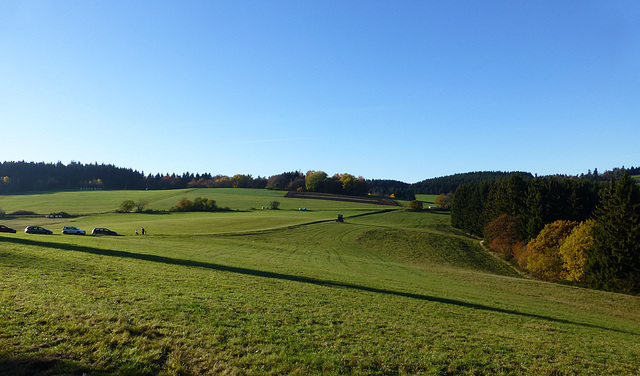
(404, 90)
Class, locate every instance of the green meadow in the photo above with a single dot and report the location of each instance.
(270, 292)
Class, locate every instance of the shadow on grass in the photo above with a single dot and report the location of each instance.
(29, 366)
(295, 278)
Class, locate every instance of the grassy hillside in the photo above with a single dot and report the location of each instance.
(288, 292)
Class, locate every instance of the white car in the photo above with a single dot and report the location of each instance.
(72, 230)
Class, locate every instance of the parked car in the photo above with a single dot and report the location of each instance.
(103, 231)
(4, 228)
(37, 230)
(72, 230)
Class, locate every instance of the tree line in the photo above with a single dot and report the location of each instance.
(17, 177)
(449, 184)
(575, 229)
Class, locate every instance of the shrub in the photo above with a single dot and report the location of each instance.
(521, 254)
(126, 206)
(443, 201)
(23, 212)
(275, 205)
(416, 205)
(141, 205)
(199, 204)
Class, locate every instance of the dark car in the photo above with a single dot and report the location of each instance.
(103, 231)
(37, 230)
(4, 228)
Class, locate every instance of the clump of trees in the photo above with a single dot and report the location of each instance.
(559, 229)
(198, 204)
(128, 206)
(386, 188)
(545, 259)
(347, 184)
(289, 181)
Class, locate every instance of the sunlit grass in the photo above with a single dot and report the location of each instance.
(289, 292)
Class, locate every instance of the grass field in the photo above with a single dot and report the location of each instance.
(286, 292)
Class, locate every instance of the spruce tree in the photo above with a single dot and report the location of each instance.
(614, 260)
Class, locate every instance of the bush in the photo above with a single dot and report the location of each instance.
(23, 212)
(416, 205)
(521, 254)
(141, 205)
(199, 204)
(443, 201)
(126, 206)
(275, 205)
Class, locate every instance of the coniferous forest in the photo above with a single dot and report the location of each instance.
(575, 229)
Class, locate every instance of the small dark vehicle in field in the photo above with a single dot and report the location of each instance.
(103, 231)
(37, 230)
(4, 228)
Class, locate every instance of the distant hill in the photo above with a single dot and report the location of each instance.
(449, 184)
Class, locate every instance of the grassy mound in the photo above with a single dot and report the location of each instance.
(433, 250)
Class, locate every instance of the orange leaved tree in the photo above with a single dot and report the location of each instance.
(503, 233)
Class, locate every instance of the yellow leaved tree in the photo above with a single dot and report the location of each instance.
(544, 258)
(574, 251)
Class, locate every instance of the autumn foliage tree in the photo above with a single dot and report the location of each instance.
(314, 180)
(574, 250)
(443, 201)
(503, 233)
(544, 258)
(416, 205)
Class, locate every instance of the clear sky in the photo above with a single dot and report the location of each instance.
(404, 90)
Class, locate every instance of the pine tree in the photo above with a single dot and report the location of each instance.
(614, 260)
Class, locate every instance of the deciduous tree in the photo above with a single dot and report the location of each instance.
(544, 258)
(415, 205)
(443, 201)
(503, 233)
(314, 180)
(127, 206)
(574, 251)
